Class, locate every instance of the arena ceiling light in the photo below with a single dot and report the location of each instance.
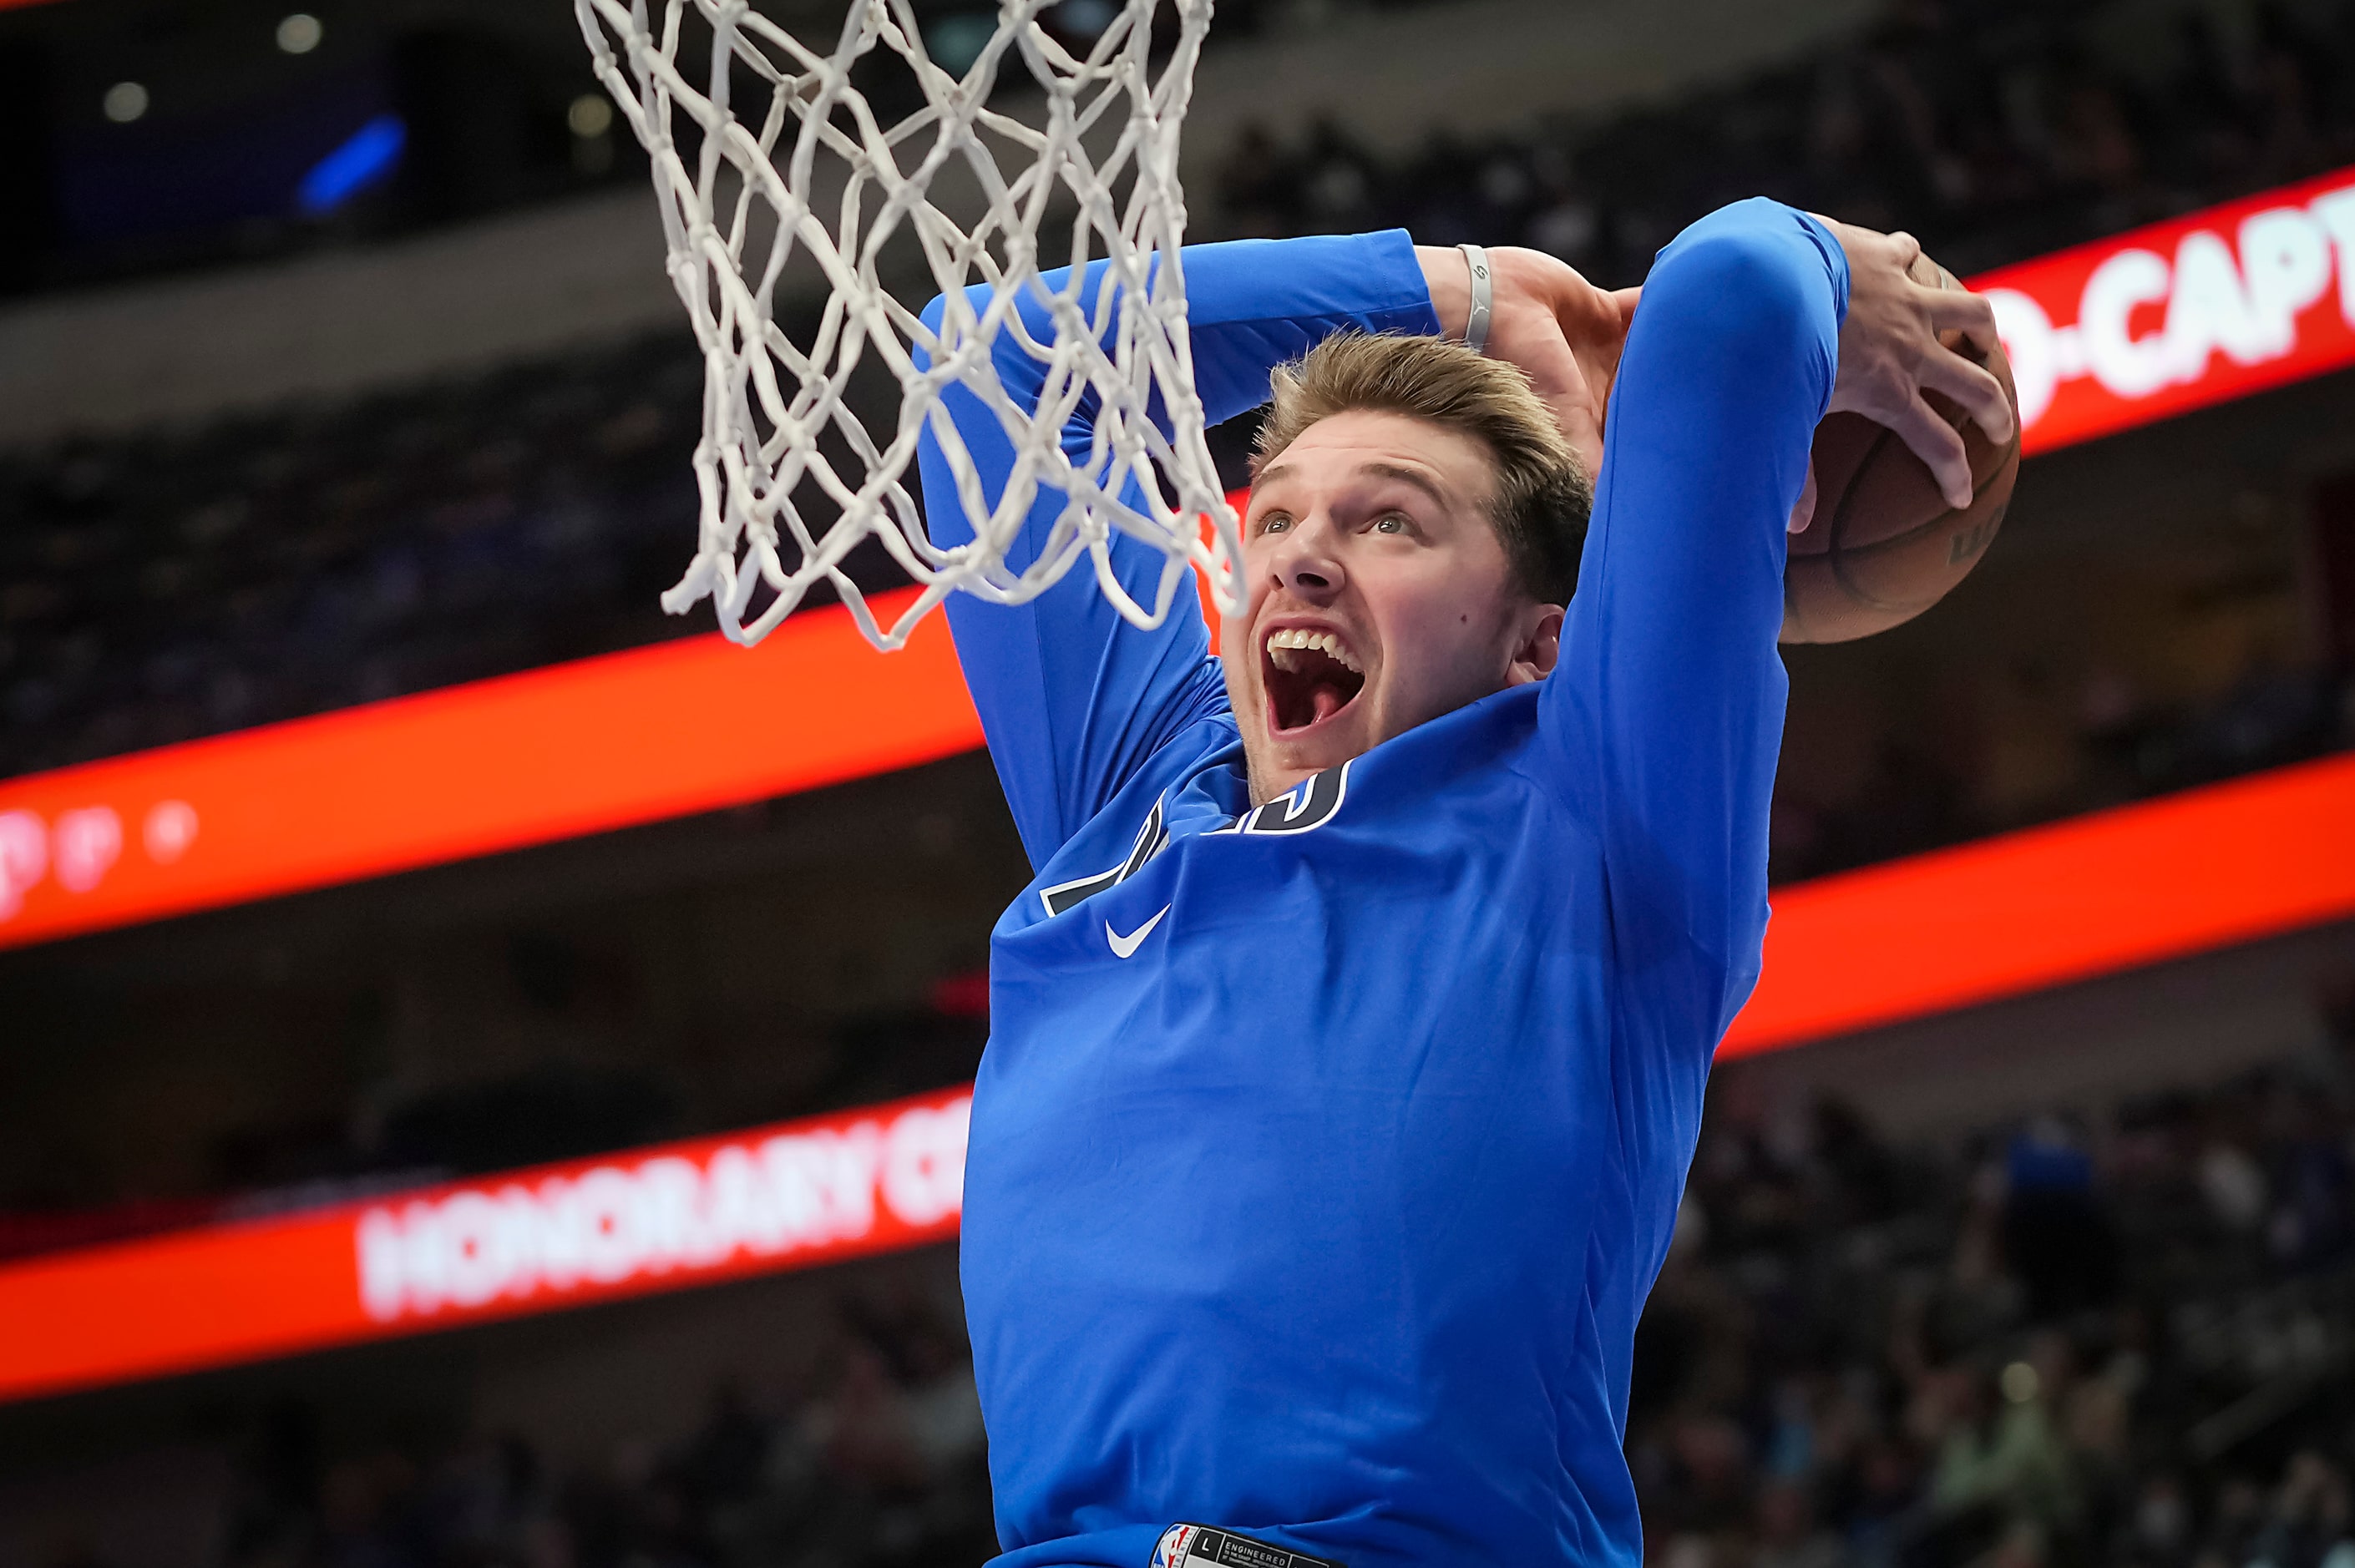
(590, 115)
(299, 33)
(125, 102)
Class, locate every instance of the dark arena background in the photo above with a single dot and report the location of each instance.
(414, 946)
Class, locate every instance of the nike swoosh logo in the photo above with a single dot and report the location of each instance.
(1125, 947)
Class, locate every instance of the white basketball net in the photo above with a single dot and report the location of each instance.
(753, 197)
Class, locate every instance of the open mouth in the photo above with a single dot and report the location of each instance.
(1309, 677)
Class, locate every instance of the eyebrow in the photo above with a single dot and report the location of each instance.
(1399, 471)
(1404, 475)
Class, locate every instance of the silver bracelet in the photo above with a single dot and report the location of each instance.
(1483, 294)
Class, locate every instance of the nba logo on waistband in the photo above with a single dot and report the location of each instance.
(1198, 1546)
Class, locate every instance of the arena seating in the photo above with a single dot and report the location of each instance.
(2054, 1342)
(879, 1463)
(168, 587)
(1993, 131)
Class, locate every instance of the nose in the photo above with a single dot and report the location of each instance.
(1305, 561)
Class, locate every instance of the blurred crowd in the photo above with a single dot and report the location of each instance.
(156, 589)
(2123, 747)
(877, 1463)
(1993, 130)
(2128, 1341)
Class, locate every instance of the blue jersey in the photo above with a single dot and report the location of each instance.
(1322, 1152)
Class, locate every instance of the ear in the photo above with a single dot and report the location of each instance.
(1538, 647)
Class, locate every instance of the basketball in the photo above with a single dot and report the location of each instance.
(1883, 545)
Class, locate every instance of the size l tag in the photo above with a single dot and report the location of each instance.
(1200, 1546)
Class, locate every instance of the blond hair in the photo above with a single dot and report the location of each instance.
(1543, 495)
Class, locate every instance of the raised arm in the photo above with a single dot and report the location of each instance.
(1072, 698)
(1666, 711)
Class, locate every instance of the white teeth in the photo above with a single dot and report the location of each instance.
(1279, 643)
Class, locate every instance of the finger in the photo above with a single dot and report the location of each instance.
(1952, 309)
(1805, 512)
(1538, 347)
(1939, 446)
(1597, 336)
(1975, 387)
(1909, 250)
(1588, 315)
(1575, 417)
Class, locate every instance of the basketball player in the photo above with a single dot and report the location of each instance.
(1348, 1050)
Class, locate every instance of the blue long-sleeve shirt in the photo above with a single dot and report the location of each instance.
(1323, 1154)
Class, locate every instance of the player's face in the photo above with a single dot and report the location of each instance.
(1381, 596)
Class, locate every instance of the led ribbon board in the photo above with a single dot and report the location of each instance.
(2094, 894)
(603, 743)
(2180, 315)
(695, 1212)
